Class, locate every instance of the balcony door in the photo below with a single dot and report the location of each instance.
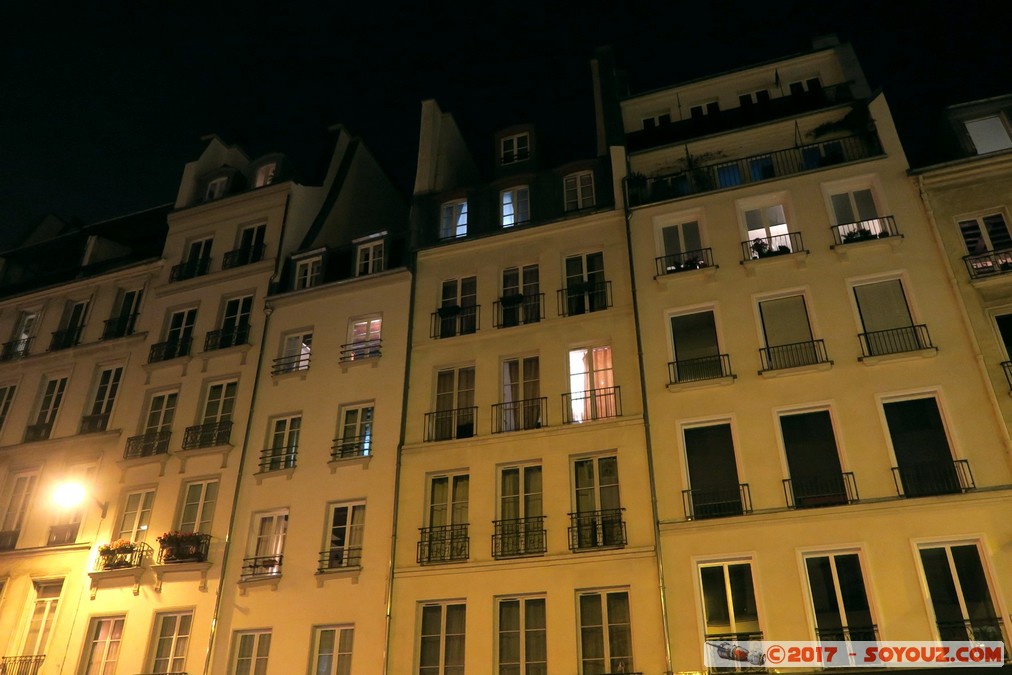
(20, 490)
(921, 446)
(251, 243)
(269, 541)
(885, 317)
(454, 404)
(521, 392)
(697, 354)
(235, 321)
(812, 459)
(521, 296)
(520, 511)
(347, 524)
(598, 507)
(180, 330)
(43, 616)
(585, 283)
(787, 332)
(713, 472)
(196, 252)
(457, 313)
(220, 402)
(448, 517)
(160, 413)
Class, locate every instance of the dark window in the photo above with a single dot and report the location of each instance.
(713, 474)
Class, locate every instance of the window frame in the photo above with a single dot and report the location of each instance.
(92, 641)
(373, 262)
(515, 154)
(257, 636)
(725, 563)
(215, 188)
(707, 422)
(582, 200)
(593, 406)
(519, 203)
(174, 639)
(141, 525)
(450, 214)
(338, 656)
(606, 628)
(25, 502)
(202, 506)
(353, 533)
(443, 636)
(7, 393)
(371, 340)
(522, 631)
(50, 617)
(50, 403)
(804, 555)
(978, 217)
(304, 354)
(1003, 123)
(307, 271)
(365, 440)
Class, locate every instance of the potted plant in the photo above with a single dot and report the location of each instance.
(182, 546)
(860, 234)
(117, 554)
(761, 248)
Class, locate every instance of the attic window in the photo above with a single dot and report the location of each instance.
(988, 134)
(515, 148)
(265, 175)
(216, 188)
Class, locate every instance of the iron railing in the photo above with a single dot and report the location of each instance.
(367, 349)
(94, 423)
(351, 446)
(769, 247)
(529, 413)
(242, 256)
(9, 539)
(828, 489)
(38, 432)
(703, 368)
(895, 340)
(674, 263)
(275, 459)
(867, 633)
(1006, 366)
(882, 227)
(21, 665)
(66, 338)
(223, 338)
(190, 269)
(16, 349)
(444, 543)
(123, 558)
(584, 297)
(990, 629)
(922, 479)
(793, 355)
(452, 320)
(119, 326)
(717, 502)
(590, 530)
(289, 364)
(187, 547)
(445, 425)
(62, 535)
(340, 557)
(147, 445)
(592, 404)
(989, 263)
(517, 537)
(261, 566)
(170, 349)
(518, 309)
(207, 435)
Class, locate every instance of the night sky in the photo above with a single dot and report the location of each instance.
(101, 107)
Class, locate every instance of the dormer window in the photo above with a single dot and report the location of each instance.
(369, 255)
(265, 175)
(579, 190)
(453, 219)
(989, 134)
(515, 148)
(710, 108)
(657, 120)
(515, 206)
(308, 271)
(216, 188)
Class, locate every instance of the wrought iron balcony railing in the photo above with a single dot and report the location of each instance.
(769, 247)
(517, 537)
(983, 629)
(793, 355)
(895, 340)
(583, 297)
(867, 633)
(1006, 366)
(223, 338)
(829, 489)
(718, 502)
(922, 479)
(351, 446)
(591, 530)
(38, 432)
(445, 425)
(119, 326)
(207, 435)
(989, 263)
(276, 459)
(91, 424)
(21, 665)
(530, 413)
(453, 320)
(592, 404)
(62, 535)
(259, 566)
(147, 444)
(186, 547)
(674, 263)
(170, 349)
(290, 364)
(16, 349)
(9, 539)
(131, 555)
(696, 370)
(444, 543)
(242, 256)
(367, 349)
(518, 309)
(340, 557)
(882, 227)
(65, 339)
(190, 269)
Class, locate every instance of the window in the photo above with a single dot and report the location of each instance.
(682, 247)
(332, 650)
(104, 636)
(265, 174)
(989, 134)
(714, 487)
(295, 352)
(445, 539)
(196, 262)
(105, 398)
(250, 248)
(455, 409)
(251, 651)
(767, 231)
(708, 108)
(133, 523)
(458, 307)
(71, 325)
(754, 97)
(7, 392)
(220, 402)
(605, 633)
(197, 511)
(215, 188)
(515, 148)
(853, 207)
(522, 643)
(985, 233)
(960, 594)
(839, 597)
(816, 478)
(586, 288)
(43, 616)
(885, 317)
(521, 296)
(364, 339)
(24, 333)
(308, 272)
(696, 350)
(597, 521)
(592, 394)
(124, 318)
(49, 407)
(284, 444)
(656, 120)
(453, 219)
(520, 528)
(234, 324)
(344, 540)
(178, 336)
(522, 406)
(161, 411)
(266, 544)
(369, 258)
(578, 189)
(442, 639)
(18, 498)
(788, 334)
(172, 639)
(515, 206)
(729, 607)
(920, 443)
(355, 434)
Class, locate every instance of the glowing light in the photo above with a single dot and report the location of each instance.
(69, 495)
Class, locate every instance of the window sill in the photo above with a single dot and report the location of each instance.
(351, 572)
(928, 353)
(129, 462)
(271, 580)
(797, 258)
(860, 247)
(702, 384)
(219, 275)
(161, 570)
(260, 476)
(797, 370)
(361, 460)
(361, 361)
(134, 573)
(293, 374)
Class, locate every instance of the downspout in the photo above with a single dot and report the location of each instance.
(268, 310)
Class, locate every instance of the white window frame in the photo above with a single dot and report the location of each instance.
(443, 637)
(139, 515)
(296, 351)
(51, 395)
(202, 520)
(358, 443)
(607, 626)
(173, 661)
(215, 188)
(270, 544)
(522, 633)
(265, 174)
(584, 406)
(219, 408)
(370, 256)
(832, 554)
(102, 645)
(995, 131)
(725, 563)
(282, 442)
(105, 392)
(168, 400)
(7, 393)
(453, 219)
(256, 662)
(514, 153)
(337, 661)
(680, 221)
(308, 272)
(50, 614)
(348, 553)
(18, 500)
(365, 338)
(985, 244)
(515, 206)
(582, 192)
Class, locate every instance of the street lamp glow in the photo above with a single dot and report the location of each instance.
(69, 495)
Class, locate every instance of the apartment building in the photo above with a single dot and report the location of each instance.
(828, 459)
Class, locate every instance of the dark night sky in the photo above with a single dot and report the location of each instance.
(100, 110)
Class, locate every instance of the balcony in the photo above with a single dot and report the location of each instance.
(223, 338)
(119, 326)
(796, 355)
(717, 502)
(21, 665)
(518, 310)
(593, 530)
(16, 349)
(989, 263)
(276, 459)
(708, 177)
(698, 370)
(207, 435)
(867, 633)
(865, 230)
(982, 629)
(149, 444)
(826, 490)
(770, 247)
(62, 535)
(65, 339)
(290, 364)
(351, 446)
(9, 539)
(446, 425)
(453, 320)
(242, 256)
(684, 262)
(177, 547)
(339, 558)
(356, 351)
(442, 544)
(519, 537)
(260, 566)
(170, 349)
(522, 415)
(190, 269)
(895, 341)
(924, 479)
(91, 424)
(591, 404)
(120, 555)
(584, 297)
(38, 432)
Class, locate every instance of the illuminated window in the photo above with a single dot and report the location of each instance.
(215, 189)
(453, 219)
(197, 510)
(344, 537)
(265, 175)
(104, 637)
(989, 134)
(43, 614)
(592, 390)
(515, 206)
(133, 522)
(172, 639)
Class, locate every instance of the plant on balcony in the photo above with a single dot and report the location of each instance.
(182, 546)
(512, 300)
(860, 234)
(117, 546)
(760, 248)
(447, 311)
(117, 554)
